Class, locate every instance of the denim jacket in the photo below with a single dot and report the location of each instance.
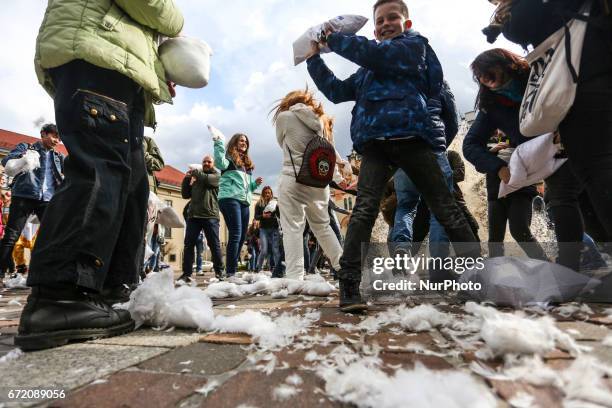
(396, 90)
(30, 184)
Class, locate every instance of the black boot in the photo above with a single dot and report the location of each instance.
(350, 298)
(53, 316)
(116, 294)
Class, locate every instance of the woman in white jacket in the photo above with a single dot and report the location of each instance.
(299, 118)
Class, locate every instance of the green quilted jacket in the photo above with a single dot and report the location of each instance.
(121, 35)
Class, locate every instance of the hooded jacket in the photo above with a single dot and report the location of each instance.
(295, 128)
(120, 35)
(396, 90)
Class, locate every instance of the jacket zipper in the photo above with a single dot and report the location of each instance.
(100, 95)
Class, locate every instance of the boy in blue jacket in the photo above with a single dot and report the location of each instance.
(396, 124)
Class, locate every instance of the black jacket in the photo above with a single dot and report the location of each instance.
(504, 116)
(267, 223)
(532, 21)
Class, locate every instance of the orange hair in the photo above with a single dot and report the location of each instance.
(305, 96)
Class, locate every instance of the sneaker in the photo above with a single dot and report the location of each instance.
(184, 280)
(200, 273)
(219, 275)
(53, 317)
(350, 298)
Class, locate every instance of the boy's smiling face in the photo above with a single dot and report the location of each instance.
(389, 21)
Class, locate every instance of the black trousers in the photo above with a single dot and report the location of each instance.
(563, 191)
(586, 134)
(380, 159)
(20, 210)
(94, 225)
(516, 211)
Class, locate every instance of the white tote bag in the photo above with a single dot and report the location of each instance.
(551, 89)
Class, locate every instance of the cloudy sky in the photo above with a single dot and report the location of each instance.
(252, 68)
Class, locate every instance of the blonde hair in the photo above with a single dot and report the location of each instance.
(305, 96)
(262, 201)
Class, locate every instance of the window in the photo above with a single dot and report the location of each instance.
(172, 257)
(350, 203)
(345, 204)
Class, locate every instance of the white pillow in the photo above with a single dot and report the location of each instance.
(347, 24)
(186, 61)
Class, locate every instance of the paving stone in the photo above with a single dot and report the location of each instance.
(134, 389)
(10, 330)
(600, 319)
(297, 358)
(407, 361)
(335, 317)
(7, 340)
(9, 323)
(227, 338)
(396, 342)
(324, 331)
(71, 366)
(549, 397)
(588, 331)
(198, 359)
(153, 338)
(558, 354)
(603, 353)
(254, 388)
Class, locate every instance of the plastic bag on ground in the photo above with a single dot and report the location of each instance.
(186, 61)
(517, 282)
(346, 24)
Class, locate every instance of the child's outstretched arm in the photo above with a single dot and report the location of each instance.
(400, 57)
(335, 90)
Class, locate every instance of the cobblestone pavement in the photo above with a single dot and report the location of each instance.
(183, 368)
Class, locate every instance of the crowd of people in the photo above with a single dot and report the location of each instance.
(403, 122)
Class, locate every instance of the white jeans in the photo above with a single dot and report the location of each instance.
(299, 203)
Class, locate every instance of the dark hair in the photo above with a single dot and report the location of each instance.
(512, 65)
(401, 3)
(49, 128)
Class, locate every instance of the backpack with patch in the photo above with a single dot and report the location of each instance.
(318, 163)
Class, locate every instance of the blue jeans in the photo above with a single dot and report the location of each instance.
(153, 262)
(236, 215)
(270, 246)
(408, 198)
(253, 260)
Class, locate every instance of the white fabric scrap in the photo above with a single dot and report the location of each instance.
(18, 282)
(11, 355)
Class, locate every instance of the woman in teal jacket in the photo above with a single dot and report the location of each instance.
(235, 191)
